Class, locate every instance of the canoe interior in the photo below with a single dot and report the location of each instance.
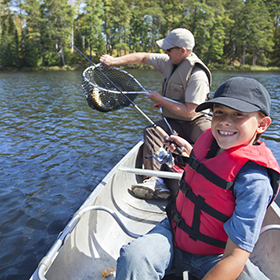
(94, 243)
(266, 253)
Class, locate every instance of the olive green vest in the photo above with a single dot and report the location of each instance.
(175, 86)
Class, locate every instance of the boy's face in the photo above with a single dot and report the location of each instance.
(233, 128)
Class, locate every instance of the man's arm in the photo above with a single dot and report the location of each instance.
(132, 58)
(196, 93)
(186, 110)
(230, 265)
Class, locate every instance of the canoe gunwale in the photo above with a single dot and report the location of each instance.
(50, 257)
(270, 227)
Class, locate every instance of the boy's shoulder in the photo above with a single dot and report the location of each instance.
(253, 193)
(257, 179)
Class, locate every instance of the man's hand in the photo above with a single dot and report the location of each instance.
(154, 96)
(107, 60)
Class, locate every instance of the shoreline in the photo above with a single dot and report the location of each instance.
(215, 67)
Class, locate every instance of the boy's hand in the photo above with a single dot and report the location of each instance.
(185, 146)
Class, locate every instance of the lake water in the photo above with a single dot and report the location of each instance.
(55, 149)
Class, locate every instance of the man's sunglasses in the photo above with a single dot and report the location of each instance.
(169, 50)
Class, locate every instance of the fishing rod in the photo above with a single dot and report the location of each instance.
(164, 135)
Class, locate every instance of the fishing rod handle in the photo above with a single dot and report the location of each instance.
(164, 135)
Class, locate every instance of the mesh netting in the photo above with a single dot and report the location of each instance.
(105, 88)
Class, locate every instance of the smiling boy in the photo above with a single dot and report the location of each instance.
(230, 179)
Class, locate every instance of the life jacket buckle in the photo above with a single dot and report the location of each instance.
(194, 163)
(176, 218)
(184, 188)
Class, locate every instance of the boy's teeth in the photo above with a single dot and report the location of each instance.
(226, 132)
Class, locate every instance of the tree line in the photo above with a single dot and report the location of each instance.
(40, 33)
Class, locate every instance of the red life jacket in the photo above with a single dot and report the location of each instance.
(205, 200)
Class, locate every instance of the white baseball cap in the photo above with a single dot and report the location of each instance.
(179, 37)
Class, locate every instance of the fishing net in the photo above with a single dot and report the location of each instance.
(108, 88)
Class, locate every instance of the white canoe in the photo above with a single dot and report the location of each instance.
(91, 241)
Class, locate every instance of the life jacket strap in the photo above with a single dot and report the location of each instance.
(208, 174)
(197, 201)
(201, 237)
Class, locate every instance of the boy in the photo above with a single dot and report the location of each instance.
(230, 179)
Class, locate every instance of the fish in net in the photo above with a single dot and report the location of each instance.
(109, 88)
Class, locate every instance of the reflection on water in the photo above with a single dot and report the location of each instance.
(55, 149)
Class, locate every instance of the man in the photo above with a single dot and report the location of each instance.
(186, 84)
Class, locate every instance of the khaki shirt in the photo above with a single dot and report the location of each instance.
(190, 82)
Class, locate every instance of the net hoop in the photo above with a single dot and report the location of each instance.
(106, 88)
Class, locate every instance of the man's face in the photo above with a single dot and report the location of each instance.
(176, 55)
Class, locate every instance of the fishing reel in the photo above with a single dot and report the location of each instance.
(163, 155)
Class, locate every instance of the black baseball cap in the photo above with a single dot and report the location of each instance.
(241, 94)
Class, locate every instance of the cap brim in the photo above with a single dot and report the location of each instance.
(164, 44)
(232, 103)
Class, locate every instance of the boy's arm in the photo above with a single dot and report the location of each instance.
(230, 265)
(253, 192)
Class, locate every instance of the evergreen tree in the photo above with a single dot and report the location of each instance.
(206, 23)
(257, 31)
(39, 32)
(9, 39)
(142, 33)
(91, 28)
(116, 20)
(233, 9)
(55, 31)
(156, 20)
(273, 6)
(173, 13)
(32, 35)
